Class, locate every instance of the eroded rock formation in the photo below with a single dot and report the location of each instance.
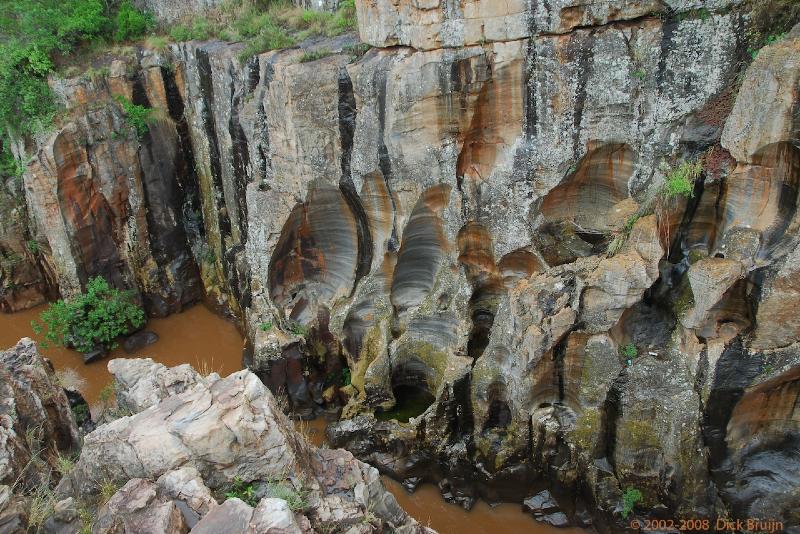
(467, 229)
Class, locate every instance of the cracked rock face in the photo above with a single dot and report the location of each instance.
(214, 433)
(465, 233)
(35, 415)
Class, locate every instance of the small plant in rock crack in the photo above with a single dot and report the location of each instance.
(628, 351)
(298, 329)
(314, 55)
(630, 499)
(242, 490)
(346, 377)
(680, 180)
(137, 116)
(296, 499)
(266, 326)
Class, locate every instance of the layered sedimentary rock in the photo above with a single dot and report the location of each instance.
(466, 228)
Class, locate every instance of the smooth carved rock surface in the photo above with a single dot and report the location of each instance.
(765, 112)
(438, 212)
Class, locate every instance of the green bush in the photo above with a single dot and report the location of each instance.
(346, 377)
(33, 32)
(92, 320)
(630, 499)
(136, 115)
(130, 23)
(81, 413)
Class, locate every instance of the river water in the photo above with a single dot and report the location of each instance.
(210, 343)
(196, 336)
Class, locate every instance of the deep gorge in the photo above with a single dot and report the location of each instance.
(460, 247)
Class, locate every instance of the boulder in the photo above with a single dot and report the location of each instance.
(218, 433)
(65, 518)
(136, 509)
(232, 516)
(139, 340)
(142, 383)
(186, 485)
(765, 112)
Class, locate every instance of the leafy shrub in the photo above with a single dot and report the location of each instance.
(130, 23)
(266, 326)
(240, 489)
(92, 320)
(35, 31)
(136, 115)
(630, 499)
(298, 329)
(81, 413)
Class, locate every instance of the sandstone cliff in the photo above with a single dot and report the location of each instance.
(439, 213)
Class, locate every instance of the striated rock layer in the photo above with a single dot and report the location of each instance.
(466, 233)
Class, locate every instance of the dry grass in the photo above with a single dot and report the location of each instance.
(69, 378)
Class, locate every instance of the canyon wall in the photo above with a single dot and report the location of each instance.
(473, 209)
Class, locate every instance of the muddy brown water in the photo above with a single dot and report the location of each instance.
(196, 336)
(210, 343)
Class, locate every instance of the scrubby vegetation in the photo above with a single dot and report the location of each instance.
(680, 180)
(34, 36)
(38, 35)
(314, 55)
(281, 490)
(628, 351)
(266, 24)
(92, 320)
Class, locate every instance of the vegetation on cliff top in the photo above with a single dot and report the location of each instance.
(37, 34)
(93, 319)
(265, 24)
